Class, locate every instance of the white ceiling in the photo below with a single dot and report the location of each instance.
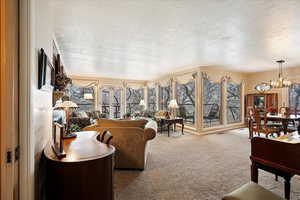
(144, 39)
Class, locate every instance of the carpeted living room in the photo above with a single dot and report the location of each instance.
(196, 168)
(150, 100)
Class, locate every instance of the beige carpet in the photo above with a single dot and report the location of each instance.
(193, 167)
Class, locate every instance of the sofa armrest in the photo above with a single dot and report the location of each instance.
(90, 128)
(150, 133)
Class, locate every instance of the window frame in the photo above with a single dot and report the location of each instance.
(221, 83)
(241, 102)
(82, 90)
(155, 99)
(160, 97)
(135, 103)
(194, 123)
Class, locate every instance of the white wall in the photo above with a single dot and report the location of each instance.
(41, 101)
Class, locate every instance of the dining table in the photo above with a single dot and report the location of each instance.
(285, 120)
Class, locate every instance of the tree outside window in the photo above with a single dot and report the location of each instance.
(234, 102)
(77, 96)
(116, 104)
(152, 99)
(211, 103)
(186, 101)
(105, 104)
(133, 98)
(165, 95)
(294, 96)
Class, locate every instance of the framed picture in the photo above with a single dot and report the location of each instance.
(57, 140)
(46, 79)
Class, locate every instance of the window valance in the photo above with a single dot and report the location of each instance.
(165, 82)
(183, 79)
(135, 85)
(151, 84)
(85, 83)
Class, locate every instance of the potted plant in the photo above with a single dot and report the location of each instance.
(272, 110)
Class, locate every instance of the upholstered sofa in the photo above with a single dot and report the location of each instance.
(131, 139)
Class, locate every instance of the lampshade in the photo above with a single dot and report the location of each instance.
(66, 104)
(173, 104)
(142, 103)
(88, 96)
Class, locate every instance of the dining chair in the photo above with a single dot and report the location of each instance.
(251, 121)
(261, 125)
(287, 111)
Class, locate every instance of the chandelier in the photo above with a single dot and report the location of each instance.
(281, 82)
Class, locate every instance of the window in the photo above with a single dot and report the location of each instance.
(211, 103)
(133, 98)
(152, 99)
(105, 104)
(234, 102)
(186, 101)
(77, 96)
(165, 95)
(294, 96)
(116, 104)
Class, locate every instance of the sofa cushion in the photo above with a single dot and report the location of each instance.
(252, 191)
(121, 123)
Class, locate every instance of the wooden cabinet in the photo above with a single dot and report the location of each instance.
(262, 101)
(85, 173)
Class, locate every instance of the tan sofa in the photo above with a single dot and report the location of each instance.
(131, 139)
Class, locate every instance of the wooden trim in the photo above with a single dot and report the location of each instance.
(274, 165)
(27, 56)
(9, 70)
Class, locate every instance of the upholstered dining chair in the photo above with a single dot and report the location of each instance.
(286, 111)
(261, 124)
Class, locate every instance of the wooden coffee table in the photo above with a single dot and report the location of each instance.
(169, 122)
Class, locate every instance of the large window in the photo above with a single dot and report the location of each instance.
(133, 98)
(165, 95)
(116, 104)
(234, 102)
(211, 103)
(186, 101)
(77, 96)
(105, 104)
(294, 96)
(152, 99)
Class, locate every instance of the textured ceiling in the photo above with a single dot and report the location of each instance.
(144, 39)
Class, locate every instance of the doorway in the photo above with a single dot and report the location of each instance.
(9, 103)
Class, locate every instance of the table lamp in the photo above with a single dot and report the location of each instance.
(88, 96)
(67, 106)
(173, 106)
(142, 104)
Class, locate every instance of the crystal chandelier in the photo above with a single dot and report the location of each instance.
(281, 82)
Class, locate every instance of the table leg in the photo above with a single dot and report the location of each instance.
(285, 125)
(250, 129)
(287, 187)
(175, 127)
(169, 129)
(254, 173)
(182, 126)
(161, 127)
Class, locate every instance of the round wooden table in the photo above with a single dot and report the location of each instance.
(85, 173)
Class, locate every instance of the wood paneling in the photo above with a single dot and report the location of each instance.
(9, 96)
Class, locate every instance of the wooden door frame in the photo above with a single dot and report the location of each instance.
(27, 47)
(9, 70)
